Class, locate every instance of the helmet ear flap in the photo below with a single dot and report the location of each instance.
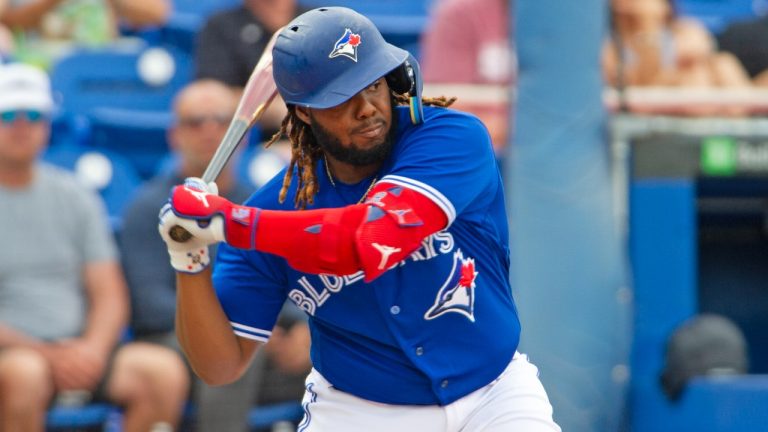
(399, 81)
(406, 79)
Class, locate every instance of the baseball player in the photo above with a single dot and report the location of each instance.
(394, 243)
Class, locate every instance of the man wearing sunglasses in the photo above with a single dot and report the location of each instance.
(202, 111)
(63, 300)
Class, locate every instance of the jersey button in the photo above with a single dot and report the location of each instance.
(419, 351)
(444, 384)
(394, 310)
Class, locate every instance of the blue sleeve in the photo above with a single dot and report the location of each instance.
(448, 158)
(251, 287)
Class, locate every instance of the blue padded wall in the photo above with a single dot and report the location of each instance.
(568, 259)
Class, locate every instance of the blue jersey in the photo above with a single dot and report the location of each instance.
(433, 328)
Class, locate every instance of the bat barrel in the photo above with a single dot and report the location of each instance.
(257, 95)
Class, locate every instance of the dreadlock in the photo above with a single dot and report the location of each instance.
(305, 152)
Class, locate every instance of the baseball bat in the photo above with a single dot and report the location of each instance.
(257, 95)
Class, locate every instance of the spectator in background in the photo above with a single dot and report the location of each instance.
(63, 300)
(232, 41)
(748, 41)
(203, 110)
(47, 29)
(467, 42)
(277, 372)
(651, 46)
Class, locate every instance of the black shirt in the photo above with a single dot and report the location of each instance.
(229, 46)
(748, 41)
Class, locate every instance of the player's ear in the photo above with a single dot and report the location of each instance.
(302, 113)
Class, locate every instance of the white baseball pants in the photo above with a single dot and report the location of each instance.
(515, 401)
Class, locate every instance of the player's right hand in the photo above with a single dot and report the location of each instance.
(190, 256)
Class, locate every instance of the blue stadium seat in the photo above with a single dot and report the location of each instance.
(181, 30)
(128, 77)
(709, 404)
(75, 418)
(188, 18)
(401, 22)
(268, 415)
(67, 130)
(203, 8)
(139, 136)
(375, 7)
(110, 174)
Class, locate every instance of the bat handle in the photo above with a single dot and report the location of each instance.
(179, 234)
(237, 129)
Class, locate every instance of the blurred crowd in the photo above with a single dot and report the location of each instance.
(87, 313)
(651, 45)
(86, 306)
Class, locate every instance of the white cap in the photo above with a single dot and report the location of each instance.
(24, 87)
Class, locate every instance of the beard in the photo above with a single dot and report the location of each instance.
(352, 154)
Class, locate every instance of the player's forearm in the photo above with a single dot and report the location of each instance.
(204, 331)
(371, 237)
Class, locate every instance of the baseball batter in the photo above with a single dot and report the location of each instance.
(394, 241)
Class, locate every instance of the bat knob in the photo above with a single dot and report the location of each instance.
(179, 234)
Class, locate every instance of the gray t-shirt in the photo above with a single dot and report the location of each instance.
(49, 231)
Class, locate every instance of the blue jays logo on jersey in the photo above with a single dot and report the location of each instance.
(458, 292)
(346, 46)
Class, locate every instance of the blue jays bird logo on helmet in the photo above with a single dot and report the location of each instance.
(346, 46)
(458, 292)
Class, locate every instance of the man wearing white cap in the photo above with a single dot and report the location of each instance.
(63, 301)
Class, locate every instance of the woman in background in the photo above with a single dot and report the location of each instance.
(651, 45)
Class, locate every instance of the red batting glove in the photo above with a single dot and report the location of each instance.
(193, 201)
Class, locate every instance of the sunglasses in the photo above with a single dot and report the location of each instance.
(198, 121)
(32, 116)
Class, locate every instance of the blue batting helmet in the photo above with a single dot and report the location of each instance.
(327, 55)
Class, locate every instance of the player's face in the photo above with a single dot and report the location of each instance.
(358, 131)
(23, 135)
